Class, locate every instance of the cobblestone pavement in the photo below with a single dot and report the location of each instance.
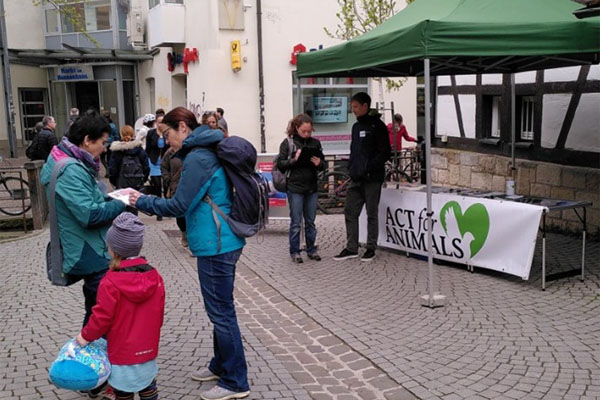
(334, 330)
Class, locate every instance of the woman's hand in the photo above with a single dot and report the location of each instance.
(82, 342)
(134, 195)
(315, 160)
(297, 154)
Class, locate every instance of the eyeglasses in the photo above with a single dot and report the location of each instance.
(165, 134)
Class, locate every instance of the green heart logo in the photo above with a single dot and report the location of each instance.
(475, 221)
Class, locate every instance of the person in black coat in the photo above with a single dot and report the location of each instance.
(119, 149)
(369, 151)
(46, 139)
(302, 188)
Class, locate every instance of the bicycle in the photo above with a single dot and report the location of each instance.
(18, 201)
(407, 168)
(332, 185)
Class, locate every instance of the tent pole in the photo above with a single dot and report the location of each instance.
(430, 300)
(513, 128)
(299, 94)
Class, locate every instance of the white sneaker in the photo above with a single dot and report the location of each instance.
(204, 375)
(219, 393)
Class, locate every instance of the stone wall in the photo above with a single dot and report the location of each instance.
(489, 172)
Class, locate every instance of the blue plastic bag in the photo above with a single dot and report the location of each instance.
(81, 368)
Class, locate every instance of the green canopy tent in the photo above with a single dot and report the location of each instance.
(451, 37)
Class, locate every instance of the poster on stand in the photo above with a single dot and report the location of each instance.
(492, 234)
(278, 202)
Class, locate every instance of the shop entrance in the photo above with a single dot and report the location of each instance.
(86, 96)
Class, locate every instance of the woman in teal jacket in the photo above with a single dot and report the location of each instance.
(83, 211)
(202, 174)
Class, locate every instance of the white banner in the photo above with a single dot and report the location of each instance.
(493, 234)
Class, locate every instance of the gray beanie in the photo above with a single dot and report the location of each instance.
(126, 235)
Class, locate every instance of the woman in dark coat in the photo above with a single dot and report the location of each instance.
(302, 189)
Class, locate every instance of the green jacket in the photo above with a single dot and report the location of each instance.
(84, 214)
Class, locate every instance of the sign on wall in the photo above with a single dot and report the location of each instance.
(492, 234)
(330, 110)
(75, 73)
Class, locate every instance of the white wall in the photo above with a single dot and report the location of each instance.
(24, 25)
(211, 83)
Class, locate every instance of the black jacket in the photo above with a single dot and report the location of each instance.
(152, 149)
(302, 178)
(370, 149)
(118, 150)
(45, 141)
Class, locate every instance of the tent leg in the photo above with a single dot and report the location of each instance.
(513, 127)
(430, 300)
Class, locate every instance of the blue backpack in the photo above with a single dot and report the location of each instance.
(250, 208)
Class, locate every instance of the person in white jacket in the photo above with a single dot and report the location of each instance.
(140, 135)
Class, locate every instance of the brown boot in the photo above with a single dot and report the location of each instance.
(184, 241)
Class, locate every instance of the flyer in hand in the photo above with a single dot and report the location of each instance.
(122, 195)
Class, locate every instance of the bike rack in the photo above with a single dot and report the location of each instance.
(15, 195)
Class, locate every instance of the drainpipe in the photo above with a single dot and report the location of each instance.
(118, 68)
(261, 83)
(8, 99)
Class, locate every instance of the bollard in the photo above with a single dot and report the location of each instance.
(39, 205)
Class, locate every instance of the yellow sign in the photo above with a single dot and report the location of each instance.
(236, 56)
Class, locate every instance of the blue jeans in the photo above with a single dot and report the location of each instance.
(303, 205)
(217, 276)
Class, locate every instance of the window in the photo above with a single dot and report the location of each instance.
(491, 117)
(527, 106)
(153, 3)
(33, 108)
(52, 21)
(174, 1)
(327, 102)
(91, 15)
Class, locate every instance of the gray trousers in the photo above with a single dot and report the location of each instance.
(357, 195)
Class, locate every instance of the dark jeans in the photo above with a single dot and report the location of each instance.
(156, 186)
(181, 224)
(90, 290)
(217, 276)
(303, 205)
(357, 195)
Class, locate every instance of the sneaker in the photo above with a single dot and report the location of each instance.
(204, 375)
(184, 241)
(159, 218)
(345, 254)
(105, 394)
(219, 393)
(297, 258)
(314, 256)
(368, 255)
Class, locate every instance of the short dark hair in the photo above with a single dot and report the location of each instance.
(158, 112)
(398, 118)
(92, 126)
(362, 98)
(220, 111)
(106, 114)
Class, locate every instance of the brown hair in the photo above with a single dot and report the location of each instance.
(205, 115)
(127, 133)
(297, 122)
(115, 262)
(180, 114)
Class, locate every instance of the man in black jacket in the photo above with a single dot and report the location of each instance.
(46, 139)
(369, 151)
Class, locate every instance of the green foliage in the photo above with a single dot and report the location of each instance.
(70, 12)
(360, 16)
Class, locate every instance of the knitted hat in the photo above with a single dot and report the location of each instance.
(126, 235)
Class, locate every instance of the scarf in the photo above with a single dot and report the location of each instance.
(81, 155)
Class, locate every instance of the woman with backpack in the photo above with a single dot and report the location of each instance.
(128, 165)
(302, 189)
(216, 247)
